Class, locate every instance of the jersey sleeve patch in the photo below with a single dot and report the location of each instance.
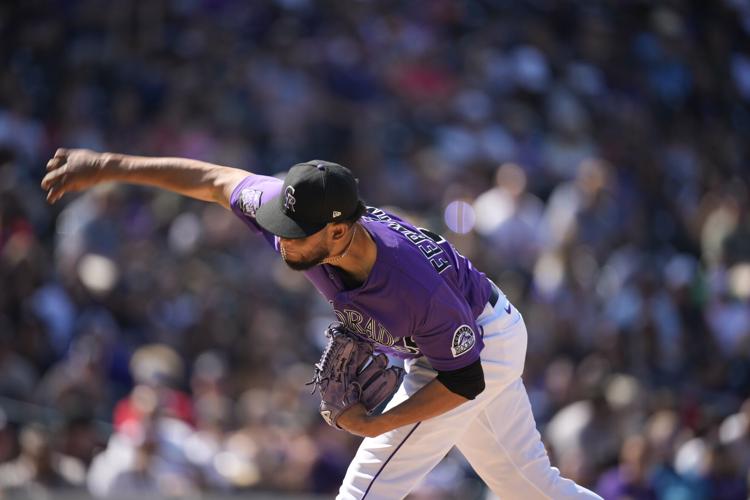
(463, 340)
(249, 201)
(249, 195)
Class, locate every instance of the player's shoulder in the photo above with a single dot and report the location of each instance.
(402, 258)
(258, 182)
(249, 195)
(252, 192)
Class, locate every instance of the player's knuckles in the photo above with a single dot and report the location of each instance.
(80, 163)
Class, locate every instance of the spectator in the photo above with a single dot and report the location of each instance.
(39, 470)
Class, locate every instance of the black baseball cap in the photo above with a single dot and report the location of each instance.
(314, 194)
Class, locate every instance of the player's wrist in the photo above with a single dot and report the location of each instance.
(372, 426)
(110, 166)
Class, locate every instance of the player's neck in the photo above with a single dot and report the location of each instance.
(359, 258)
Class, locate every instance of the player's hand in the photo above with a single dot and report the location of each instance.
(72, 170)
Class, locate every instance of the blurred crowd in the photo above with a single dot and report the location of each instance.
(599, 152)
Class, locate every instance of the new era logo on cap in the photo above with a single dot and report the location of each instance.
(336, 213)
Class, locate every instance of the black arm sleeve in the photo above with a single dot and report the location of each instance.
(467, 381)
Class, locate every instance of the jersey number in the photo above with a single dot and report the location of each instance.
(436, 257)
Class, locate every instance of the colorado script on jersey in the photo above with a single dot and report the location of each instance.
(421, 297)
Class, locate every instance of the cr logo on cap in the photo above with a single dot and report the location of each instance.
(289, 199)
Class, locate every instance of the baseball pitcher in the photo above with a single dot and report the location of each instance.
(396, 289)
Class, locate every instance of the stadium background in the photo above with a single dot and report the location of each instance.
(598, 154)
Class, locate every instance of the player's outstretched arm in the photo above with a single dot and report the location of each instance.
(79, 169)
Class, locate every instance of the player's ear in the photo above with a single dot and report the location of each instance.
(337, 231)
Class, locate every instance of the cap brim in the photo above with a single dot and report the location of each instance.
(272, 218)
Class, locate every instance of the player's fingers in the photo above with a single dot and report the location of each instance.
(46, 182)
(50, 179)
(56, 178)
(57, 189)
(52, 196)
(61, 153)
(54, 163)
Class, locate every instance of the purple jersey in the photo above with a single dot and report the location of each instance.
(421, 298)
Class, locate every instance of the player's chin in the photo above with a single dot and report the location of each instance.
(301, 265)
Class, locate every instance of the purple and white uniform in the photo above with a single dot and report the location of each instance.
(421, 298)
(424, 302)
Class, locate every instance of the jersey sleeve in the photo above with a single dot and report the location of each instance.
(449, 336)
(250, 194)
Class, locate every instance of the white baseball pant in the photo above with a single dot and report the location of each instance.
(496, 432)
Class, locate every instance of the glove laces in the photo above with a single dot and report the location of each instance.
(325, 360)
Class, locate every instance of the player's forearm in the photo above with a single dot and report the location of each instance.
(197, 179)
(79, 169)
(430, 401)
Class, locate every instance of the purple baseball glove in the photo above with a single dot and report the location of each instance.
(349, 372)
